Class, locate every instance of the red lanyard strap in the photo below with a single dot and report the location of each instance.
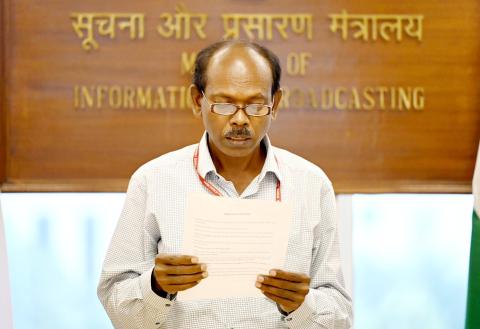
(211, 188)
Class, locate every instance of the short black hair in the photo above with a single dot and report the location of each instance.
(203, 58)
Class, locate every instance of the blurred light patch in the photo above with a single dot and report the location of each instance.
(56, 243)
(410, 255)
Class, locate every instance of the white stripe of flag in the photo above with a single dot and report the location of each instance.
(476, 184)
(5, 303)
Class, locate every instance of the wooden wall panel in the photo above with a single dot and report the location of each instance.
(55, 144)
(3, 101)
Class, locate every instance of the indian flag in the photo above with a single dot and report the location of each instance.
(473, 298)
(5, 306)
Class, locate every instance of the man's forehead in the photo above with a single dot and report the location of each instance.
(239, 68)
(240, 59)
(238, 93)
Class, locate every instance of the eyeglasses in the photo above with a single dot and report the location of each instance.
(254, 110)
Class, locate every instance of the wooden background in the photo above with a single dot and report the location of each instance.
(47, 145)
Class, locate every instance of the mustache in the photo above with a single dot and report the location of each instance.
(239, 133)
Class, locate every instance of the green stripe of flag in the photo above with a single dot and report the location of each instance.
(473, 297)
(472, 320)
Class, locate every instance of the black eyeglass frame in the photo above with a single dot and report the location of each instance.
(238, 107)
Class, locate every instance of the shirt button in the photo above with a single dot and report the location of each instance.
(288, 319)
(168, 305)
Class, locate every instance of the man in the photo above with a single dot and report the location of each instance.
(236, 93)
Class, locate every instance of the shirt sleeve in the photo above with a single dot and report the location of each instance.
(125, 287)
(327, 304)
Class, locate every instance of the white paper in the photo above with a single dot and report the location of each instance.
(238, 239)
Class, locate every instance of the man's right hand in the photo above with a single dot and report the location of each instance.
(175, 273)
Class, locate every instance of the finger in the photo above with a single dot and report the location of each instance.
(183, 279)
(301, 288)
(285, 294)
(163, 270)
(282, 301)
(184, 269)
(175, 259)
(290, 276)
(179, 287)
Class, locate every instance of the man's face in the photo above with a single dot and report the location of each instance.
(240, 76)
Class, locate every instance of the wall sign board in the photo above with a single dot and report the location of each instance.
(384, 98)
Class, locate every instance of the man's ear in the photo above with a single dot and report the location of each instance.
(196, 97)
(277, 97)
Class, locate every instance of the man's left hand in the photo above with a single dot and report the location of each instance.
(287, 289)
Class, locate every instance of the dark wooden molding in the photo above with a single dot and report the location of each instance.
(120, 185)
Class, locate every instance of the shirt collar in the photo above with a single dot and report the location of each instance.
(205, 162)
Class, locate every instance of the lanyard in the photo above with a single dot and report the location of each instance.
(211, 188)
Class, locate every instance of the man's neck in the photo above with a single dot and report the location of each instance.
(239, 170)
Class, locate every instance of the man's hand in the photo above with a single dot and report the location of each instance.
(287, 289)
(175, 273)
